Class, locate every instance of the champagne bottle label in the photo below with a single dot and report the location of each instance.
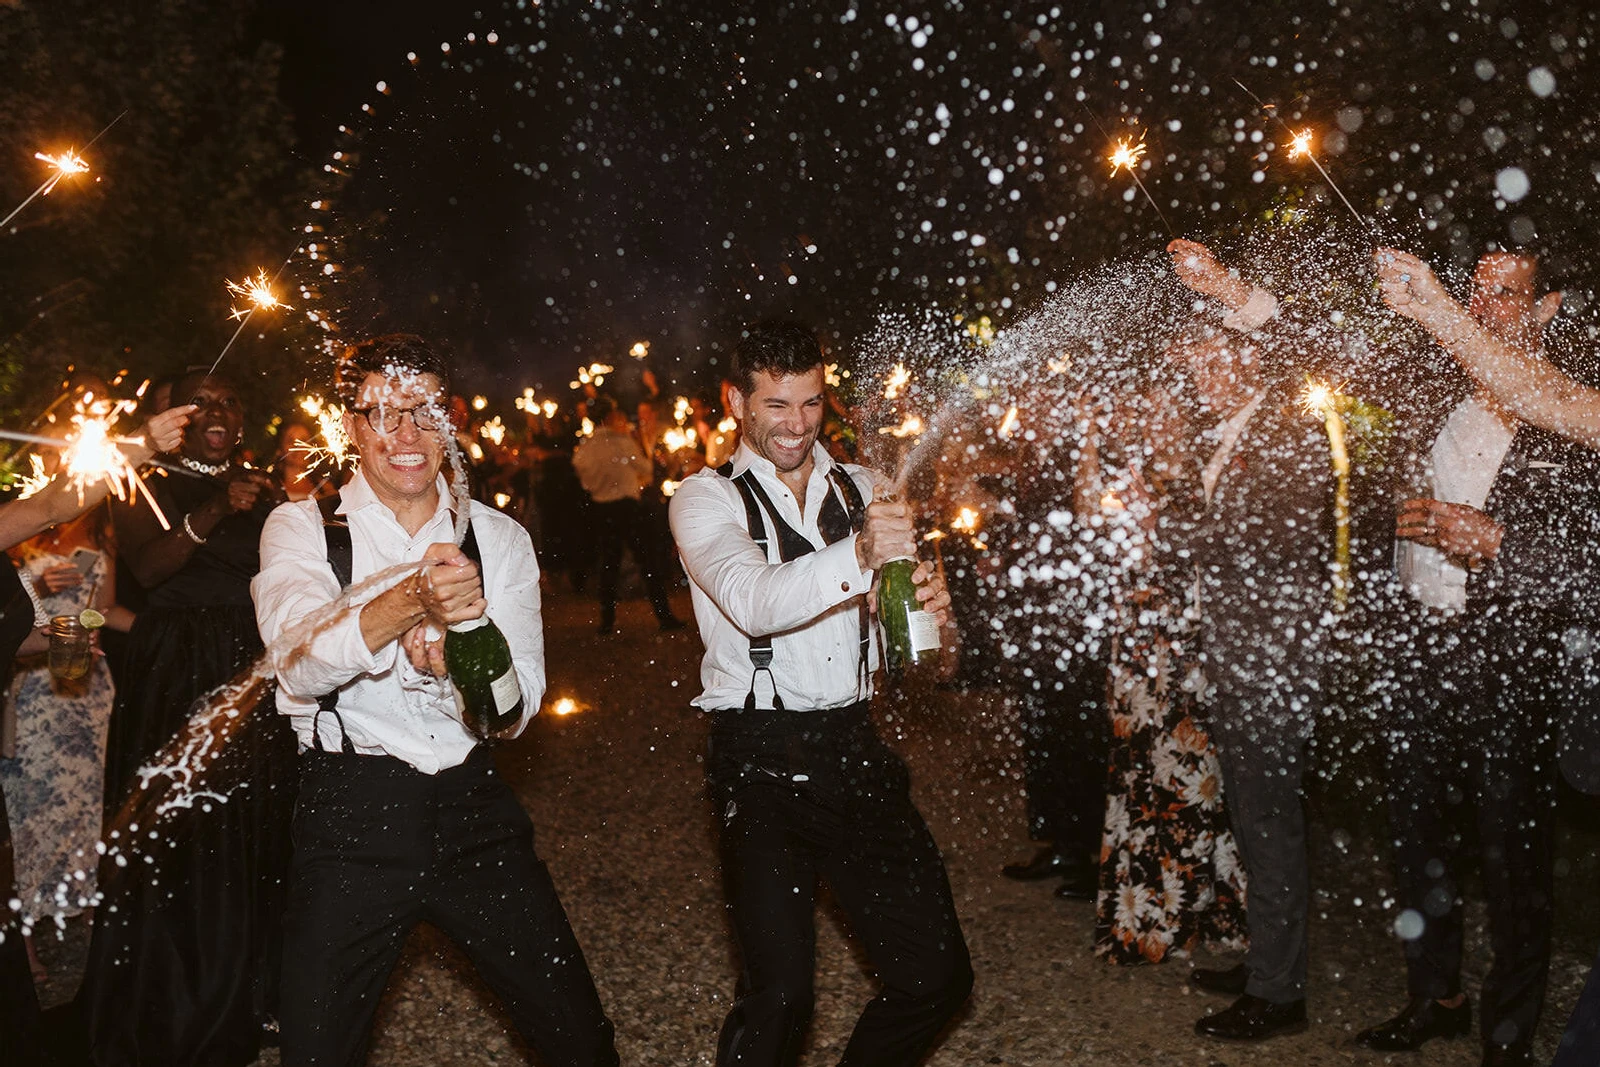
(924, 631)
(507, 693)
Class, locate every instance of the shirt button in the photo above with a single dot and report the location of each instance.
(844, 587)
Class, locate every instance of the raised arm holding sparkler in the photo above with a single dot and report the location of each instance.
(1525, 384)
(77, 489)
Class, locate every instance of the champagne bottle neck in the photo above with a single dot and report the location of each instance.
(471, 624)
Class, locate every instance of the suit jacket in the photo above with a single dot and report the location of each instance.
(1546, 496)
(1263, 550)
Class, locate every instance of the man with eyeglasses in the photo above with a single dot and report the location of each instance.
(402, 817)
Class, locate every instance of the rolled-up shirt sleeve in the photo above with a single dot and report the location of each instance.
(760, 598)
(295, 580)
(512, 590)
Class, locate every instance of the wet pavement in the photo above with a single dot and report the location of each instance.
(616, 797)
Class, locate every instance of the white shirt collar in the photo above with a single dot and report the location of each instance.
(357, 494)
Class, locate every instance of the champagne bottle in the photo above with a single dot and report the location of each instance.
(911, 635)
(479, 660)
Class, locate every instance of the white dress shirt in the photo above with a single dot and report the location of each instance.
(388, 706)
(808, 606)
(612, 467)
(1465, 462)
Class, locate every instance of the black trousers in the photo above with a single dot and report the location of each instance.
(1472, 749)
(1066, 746)
(803, 796)
(619, 523)
(379, 847)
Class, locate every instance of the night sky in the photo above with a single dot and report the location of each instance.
(604, 173)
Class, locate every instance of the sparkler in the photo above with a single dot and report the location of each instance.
(1326, 402)
(29, 484)
(910, 426)
(1008, 424)
(1300, 145)
(90, 454)
(493, 431)
(336, 447)
(1127, 156)
(899, 378)
(66, 164)
(258, 296)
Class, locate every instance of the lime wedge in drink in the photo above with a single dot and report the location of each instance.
(91, 619)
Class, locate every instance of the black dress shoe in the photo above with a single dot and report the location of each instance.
(1421, 1021)
(1229, 981)
(1507, 1056)
(1254, 1019)
(1079, 882)
(1046, 863)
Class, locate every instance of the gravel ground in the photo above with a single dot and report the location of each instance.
(615, 792)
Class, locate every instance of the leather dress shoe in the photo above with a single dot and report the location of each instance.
(1421, 1021)
(1229, 981)
(1254, 1019)
(1079, 882)
(1046, 863)
(1507, 1056)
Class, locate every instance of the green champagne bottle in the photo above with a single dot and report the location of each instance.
(486, 686)
(911, 635)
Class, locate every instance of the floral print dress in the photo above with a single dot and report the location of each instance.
(54, 784)
(1170, 875)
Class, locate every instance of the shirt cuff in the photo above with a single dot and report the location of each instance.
(1254, 313)
(838, 576)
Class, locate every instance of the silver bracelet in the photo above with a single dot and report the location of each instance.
(41, 617)
(188, 531)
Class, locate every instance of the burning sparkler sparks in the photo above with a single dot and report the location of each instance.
(66, 164)
(336, 447)
(1008, 424)
(640, 349)
(257, 295)
(90, 453)
(899, 378)
(910, 426)
(1126, 156)
(493, 431)
(29, 484)
(1325, 401)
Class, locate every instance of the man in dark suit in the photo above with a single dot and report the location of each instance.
(1262, 560)
(1493, 557)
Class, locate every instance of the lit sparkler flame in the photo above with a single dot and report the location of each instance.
(911, 426)
(493, 431)
(640, 349)
(564, 706)
(29, 484)
(479, 403)
(680, 410)
(669, 487)
(899, 378)
(593, 374)
(679, 438)
(1126, 156)
(256, 293)
(1319, 398)
(66, 163)
(501, 500)
(1300, 144)
(549, 408)
(336, 447)
(832, 375)
(728, 425)
(1008, 424)
(966, 520)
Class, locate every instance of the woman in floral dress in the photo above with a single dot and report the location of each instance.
(54, 779)
(1170, 875)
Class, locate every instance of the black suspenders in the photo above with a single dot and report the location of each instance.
(791, 546)
(341, 558)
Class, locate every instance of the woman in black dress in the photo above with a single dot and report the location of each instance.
(183, 962)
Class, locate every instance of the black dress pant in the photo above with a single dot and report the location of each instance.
(619, 523)
(1066, 748)
(1473, 740)
(803, 796)
(379, 847)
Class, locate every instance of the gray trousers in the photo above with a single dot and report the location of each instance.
(1260, 717)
